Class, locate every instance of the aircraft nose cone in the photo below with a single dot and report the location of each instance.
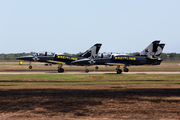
(29, 58)
(19, 58)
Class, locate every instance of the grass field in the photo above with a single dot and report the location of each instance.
(166, 67)
(87, 79)
(86, 96)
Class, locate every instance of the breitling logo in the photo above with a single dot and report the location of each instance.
(92, 61)
(35, 58)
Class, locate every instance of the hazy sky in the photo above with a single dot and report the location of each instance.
(75, 25)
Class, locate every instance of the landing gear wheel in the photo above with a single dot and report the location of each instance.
(30, 67)
(96, 67)
(119, 71)
(126, 70)
(86, 70)
(60, 70)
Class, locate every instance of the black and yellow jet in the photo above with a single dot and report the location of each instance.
(57, 58)
(149, 56)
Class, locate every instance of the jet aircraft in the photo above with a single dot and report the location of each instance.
(149, 56)
(58, 58)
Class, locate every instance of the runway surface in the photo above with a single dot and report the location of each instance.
(67, 73)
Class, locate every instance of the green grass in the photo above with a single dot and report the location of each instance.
(88, 79)
(171, 61)
(11, 83)
(79, 77)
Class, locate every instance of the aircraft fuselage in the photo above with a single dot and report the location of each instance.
(51, 59)
(118, 60)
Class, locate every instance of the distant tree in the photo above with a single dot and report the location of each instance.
(12, 56)
(164, 55)
(135, 53)
(66, 53)
(78, 54)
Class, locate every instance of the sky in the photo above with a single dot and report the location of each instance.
(73, 26)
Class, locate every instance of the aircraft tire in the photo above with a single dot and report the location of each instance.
(86, 70)
(119, 71)
(61, 70)
(30, 67)
(126, 70)
(96, 67)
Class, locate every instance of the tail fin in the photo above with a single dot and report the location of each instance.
(150, 50)
(92, 51)
(159, 50)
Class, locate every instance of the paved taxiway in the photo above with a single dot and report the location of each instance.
(67, 73)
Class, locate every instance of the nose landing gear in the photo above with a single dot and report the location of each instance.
(119, 71)
(86, 70)
(30, 66)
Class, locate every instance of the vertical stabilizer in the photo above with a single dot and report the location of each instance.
(151, 49)
(92, 51)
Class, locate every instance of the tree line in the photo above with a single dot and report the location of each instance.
(12, 56)
(165, 56)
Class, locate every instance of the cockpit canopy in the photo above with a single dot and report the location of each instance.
(44, 54)
(109, 54)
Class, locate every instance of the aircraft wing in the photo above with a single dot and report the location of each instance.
(115, 64)
(56, 62)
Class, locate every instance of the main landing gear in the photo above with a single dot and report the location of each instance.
(126, 69)
(60, 69)
(119, 71)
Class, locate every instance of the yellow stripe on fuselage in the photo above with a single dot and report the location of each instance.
(153, 58)
(114, 63)
(146, 65)
(54, 61)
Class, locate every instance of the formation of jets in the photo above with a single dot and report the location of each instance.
(58, 58)
(149, 56)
